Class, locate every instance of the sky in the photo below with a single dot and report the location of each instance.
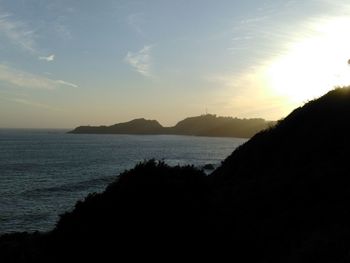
(69, 63)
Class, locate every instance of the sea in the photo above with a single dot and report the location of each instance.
(43, 173)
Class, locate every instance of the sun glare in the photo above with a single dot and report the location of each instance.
(314, 65)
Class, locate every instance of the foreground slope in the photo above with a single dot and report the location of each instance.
(281, 197)
(150, 211)
(287, 190)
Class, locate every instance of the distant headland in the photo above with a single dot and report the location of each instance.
(204, 125)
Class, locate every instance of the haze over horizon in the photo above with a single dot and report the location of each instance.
(70, 63)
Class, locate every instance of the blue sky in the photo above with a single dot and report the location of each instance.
(69, 63)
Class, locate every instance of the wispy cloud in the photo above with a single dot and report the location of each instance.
(24, 100)
(6, 93)
(48, 58)
(25, 79)
(61, 29)
(141, 61)
(34, 104)
(21, 35)
(17, 32)
(253, 20)
(67, 83)
(135, 21)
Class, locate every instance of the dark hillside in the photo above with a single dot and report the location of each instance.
(152, 211)
(281, 197)
(287, 189)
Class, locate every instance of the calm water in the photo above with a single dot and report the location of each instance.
(44, 172)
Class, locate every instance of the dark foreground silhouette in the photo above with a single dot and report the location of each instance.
(281, 197)
(204, 125)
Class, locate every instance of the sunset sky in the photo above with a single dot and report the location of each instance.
(68, 63)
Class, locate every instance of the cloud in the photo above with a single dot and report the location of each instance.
(48, 58)
(6, 93)
(135, 21)
(62, 30)
(17, 32)
(253, 20)
(25, 79)
(34, 104)
(140, 60)
(67, 83)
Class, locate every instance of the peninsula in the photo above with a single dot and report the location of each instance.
(204, 125)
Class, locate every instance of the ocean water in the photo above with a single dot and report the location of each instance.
(44, 172)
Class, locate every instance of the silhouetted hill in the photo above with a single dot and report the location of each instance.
(204, 125)
(211, 125)
(281, 197)
(137, 126)
(148, 211)
(287, 190)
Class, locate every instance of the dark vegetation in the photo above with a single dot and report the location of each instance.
(208, 166)
(149, 211)
(281, 197)
(204, 125)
